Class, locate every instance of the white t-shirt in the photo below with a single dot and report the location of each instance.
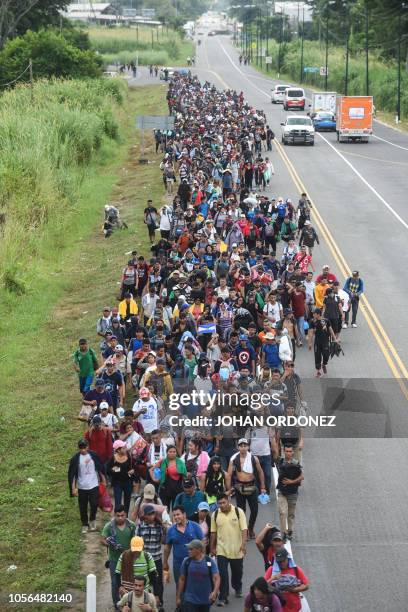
(259, 438)
(110, 420)
(149, 419)
(165, 218)
(310, 287)
(272, 311)
(87, 476)
(346, 299)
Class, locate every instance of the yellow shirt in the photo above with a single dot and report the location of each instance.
(229, 532)
(320, 291)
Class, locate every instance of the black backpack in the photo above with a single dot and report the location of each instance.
(130, 598)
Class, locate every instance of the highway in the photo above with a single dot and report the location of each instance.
(352, 525)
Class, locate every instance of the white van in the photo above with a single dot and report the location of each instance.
(294, 98)
(278, 93)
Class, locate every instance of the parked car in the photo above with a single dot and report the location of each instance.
(294, 98)
(324, 122)
(278, 93)
(298, 129)
(170, 72)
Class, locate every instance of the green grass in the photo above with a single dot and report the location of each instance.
(40, 399)
(382, 75)
(122, 45)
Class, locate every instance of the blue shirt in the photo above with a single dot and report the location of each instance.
(180, 540)
(272, 355)
(190, 502)
(198, 584)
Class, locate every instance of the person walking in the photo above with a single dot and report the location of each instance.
(354, 287)
(120, 472)
(85, 471)
(228, 542)
(178, 536)
(321, 332)
(247, 473)
(289, 481)
(138, 599)
(260, 598)
(133, 563)
(85, 363)
(199, 581)
(152, 531)
(116, 535)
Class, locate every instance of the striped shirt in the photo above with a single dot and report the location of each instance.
(143, 565)
(152, 536)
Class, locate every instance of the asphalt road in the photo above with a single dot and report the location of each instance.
(352, 525)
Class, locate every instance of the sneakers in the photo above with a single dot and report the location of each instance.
(222, 602)
(238, 594)
(354, 325)
(344, 326)
(318, 374)
(92, 525)
(84, 529)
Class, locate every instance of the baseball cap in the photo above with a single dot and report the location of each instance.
(149, 491)
(203, 506)
(144, 392)
(243, 441)
(136, 544)
(196, 544)
(97, 419)
(118, 444)
(277, 536)
(281, 554)
(188, 482)
(269, 336)
(104, 406)
(118, 347)
(161, 361)
(99, 382)
(149, 509)
(307, 222)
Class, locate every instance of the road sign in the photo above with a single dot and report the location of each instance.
(268, 59)
(324, 70)
(310, 69)
(155, 122)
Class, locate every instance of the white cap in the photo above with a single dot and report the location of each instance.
(104, 406)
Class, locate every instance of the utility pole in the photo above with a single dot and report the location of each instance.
(257, 37)
(30, 68)
(347, 58)
(301, 45)
(280, 44)
(366, 48)
(398, 117)
(152, 37)
(260, 32)
(327, 48)
(267, 36)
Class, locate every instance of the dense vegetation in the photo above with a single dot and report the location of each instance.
(162, 47)
(369, 32)
(49, 135)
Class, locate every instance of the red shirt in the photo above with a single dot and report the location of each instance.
(298, 303)
(330, 277)
(293, 602)
(100, 441)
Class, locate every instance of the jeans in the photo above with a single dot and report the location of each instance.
(252, 503)
(191, 607)
(124, 488)
(158, 586)
(322, 354)
(85, 383)
(300, 324)
(287, 508)
(114, 581)
(176, 573)
(266, 465)
(236, 575)
(354, 308)
(86, 497)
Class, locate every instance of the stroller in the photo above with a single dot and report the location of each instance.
(112, 220)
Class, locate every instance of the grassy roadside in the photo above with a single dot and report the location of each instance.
(40, 396)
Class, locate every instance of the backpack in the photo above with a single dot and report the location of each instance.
(130, 598)
(216, 514)
(208, 561)
(269, 230)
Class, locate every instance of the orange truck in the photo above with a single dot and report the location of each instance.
(354, 118)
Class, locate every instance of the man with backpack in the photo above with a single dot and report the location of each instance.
(116, 535)
(288, 579)
(138, 600)
(199, 581)
(228, 541)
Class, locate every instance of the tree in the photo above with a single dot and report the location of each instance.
(18, 16)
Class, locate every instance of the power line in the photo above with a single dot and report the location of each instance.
(17, 78)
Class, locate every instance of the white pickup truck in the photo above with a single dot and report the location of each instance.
(298, 129)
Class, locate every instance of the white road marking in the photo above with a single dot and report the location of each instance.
(393, 144)
(361, 177)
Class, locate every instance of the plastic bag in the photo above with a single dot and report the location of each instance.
(104, 500)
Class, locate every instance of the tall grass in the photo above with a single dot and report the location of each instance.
(382, 75)
(122, 44)
(48, 137)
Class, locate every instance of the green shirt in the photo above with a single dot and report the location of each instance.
(191, 364)
(123, 537)
(142, 566)
(86, 362)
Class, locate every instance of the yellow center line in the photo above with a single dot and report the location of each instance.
(381, 337)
